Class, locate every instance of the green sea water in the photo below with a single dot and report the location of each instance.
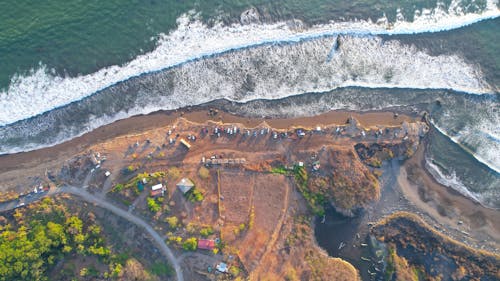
(79, 37)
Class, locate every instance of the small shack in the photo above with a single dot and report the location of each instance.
(185, 143)
(140, 186)
(206, 244)
(157, 190)
(185, 185)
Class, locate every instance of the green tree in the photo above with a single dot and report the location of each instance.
(206, 231)
(172, 221)
(190, 244)
(152, 205)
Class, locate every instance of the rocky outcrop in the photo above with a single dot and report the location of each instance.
(438, 257)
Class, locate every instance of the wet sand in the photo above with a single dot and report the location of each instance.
(442, 204)
(466, 220)
(142, 123)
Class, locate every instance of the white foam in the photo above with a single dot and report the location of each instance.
(40, 91)
(486, 151)
(450, 180)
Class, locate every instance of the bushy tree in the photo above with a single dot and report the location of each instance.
(190, 244)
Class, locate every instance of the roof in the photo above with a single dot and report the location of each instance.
(157, 192)
(185, 143)
(206, 244)
(222, 267)
(185, 185)
(156, 187)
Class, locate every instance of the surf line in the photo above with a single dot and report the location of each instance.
(277, 33)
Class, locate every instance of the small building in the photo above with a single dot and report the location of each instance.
(140, 186)
(158, 190)
(107, 173)
(222, 267)
(185, 185)
(206, 244)
(185, 143)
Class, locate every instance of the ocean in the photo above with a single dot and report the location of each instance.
(68, 67)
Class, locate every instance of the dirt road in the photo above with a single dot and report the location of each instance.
(86, 196)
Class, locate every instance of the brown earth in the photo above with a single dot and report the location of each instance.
(435, 254)
(260, 216)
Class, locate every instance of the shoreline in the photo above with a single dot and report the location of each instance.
(140, 123)
(33, 162)
(461, 218)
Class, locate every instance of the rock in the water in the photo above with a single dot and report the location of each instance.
(250, 16)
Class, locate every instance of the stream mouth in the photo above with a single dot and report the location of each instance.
(347, 238)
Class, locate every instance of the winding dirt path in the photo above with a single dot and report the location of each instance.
(90, 198)
(131, 218)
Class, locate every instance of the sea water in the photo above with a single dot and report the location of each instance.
(69, 68)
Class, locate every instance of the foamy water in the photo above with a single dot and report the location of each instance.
(193, 40)
(450, 180)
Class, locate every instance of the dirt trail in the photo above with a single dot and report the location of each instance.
(131, 218)
(86, 196)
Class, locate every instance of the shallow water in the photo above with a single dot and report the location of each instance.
(70, 67)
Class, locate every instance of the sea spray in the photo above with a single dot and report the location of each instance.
(193, 40)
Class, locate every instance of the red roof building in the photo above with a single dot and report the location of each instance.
(206, 244)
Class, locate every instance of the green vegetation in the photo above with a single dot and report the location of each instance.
(173, 222)
(194, 195)
(119, 187)
(235, 271)
(153, 205)
(251, 220)
(204, 173)
(206, 231)
(191, 228)
(161, 269)
(314, 200)
(175, 240)
(374, 162)
(190, 244)
(155, 177)
(43, 235)
(280, 170)
(240, 229)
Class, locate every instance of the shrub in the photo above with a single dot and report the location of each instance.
(177, 240)
(204, 173)
(174, 173)
(279, 170)
(119, 187)
(234, 270)
(152, 205)
(190, 244)
(172, 221)
(194, 195)
(207, 231)
(191, 228)
(162, 269)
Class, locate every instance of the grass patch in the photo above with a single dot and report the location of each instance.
(161, 269)
(194, 195)
(314, 200)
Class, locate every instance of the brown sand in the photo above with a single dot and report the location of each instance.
(447, 206)
(441, 203)
(141, 123)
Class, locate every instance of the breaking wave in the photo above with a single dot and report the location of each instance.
(41, 91)
(451, 180)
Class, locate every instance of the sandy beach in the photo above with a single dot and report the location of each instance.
(446, 206)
